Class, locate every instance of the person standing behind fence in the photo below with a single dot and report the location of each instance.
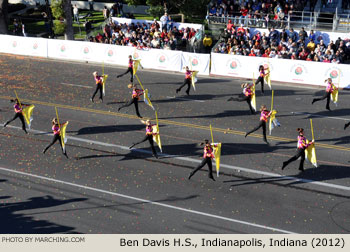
(164, 20)
(207, 42)
(91, 4)
(105, 12)
(76, 13)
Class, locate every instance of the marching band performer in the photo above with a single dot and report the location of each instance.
(247, 96)
(187, 81)
(129, 70)
(136, 93)
(264, 115)
(327, 95)
(18, 114)
(56, 136)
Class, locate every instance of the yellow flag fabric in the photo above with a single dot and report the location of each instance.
(63, 135)
(156, 138)
(310, 154)
(146, 99)
(28, 114)
(253, 99)
(268, 78)
(334, 96)
(273, 121)
(104, 79)
(136, 65)
(194, 79)
(217, 154)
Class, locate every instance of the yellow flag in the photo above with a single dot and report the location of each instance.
(156, 137)
(194, 79)
(253, 99)
(104, 79)
(310, 151)
(136, 65)
(146, 99)
(63, 135)
(28, 114)
(217, 154)
(334, 96)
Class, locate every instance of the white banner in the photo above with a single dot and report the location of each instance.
(23, 45)
(196, 62)
(282, 70)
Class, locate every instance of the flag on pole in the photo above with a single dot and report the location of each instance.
(63, 136)
(268, 74)
(28, 114)
(104, 79)
(146, 99)
(136, 65)
(273, 121)
(253, 98)
(217, 152)
(156, 137)
(310, 151)
(194, 79)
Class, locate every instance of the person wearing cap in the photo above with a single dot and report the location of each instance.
(136, 93)
(99, 83)
(247, 92)
(56, 128)
(208, 155)
(129, 70)
(327, 95)
(148, 137)
(264, 115)
(18, 113)
(187, 81)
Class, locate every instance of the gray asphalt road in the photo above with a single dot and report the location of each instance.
(105, 188)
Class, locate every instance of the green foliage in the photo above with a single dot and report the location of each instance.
(59, 27)
(136, 2)
(156, 11)
(57, 9)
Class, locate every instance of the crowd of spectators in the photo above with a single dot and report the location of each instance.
(255, 12)
(143, 35)
(286, 44)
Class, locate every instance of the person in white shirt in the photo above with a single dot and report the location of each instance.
(76, 13)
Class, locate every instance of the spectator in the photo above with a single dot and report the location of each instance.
(311, 45)
(105, 12)
(91, 4)
(302, 34)
(164, 20)
(88, 26)
(76, 13)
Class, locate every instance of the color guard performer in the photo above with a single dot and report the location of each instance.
(129, 70)
(247, 96)
(18, 114)
(99, 87)
(136, 93)
(208, 155)
(302, 145)
(264, 115)
(56, 136)
(187, 81)
(261, 77)
(329, 90)
(149, 137)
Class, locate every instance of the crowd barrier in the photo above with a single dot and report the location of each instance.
(282, 70)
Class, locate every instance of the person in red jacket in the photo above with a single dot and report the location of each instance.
(18, 114)
(149, 137)
(302, 145)
(208, 155)
(187, 81)
(264, 115)
(129, 70)
(136, 93)
(247, 91)
(327, 95)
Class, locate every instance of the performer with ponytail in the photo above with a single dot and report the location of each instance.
(99, 87)
(56, 136)
(264, 115)
(327, 95)
(247, 96)
(187, 81)
(129, 70)
(302, 145)
(208, 155)
(261, 77)
(18, 113)
(149, 137)
(136, 93)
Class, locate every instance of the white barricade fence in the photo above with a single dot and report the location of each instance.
(196, 62)
(23, 45)
(282, 70)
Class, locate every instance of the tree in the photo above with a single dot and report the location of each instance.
(62, 11)
(3, 17)
(189, 8)
(67, 6)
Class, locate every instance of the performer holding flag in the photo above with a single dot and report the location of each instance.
(327, 95)
(273, 121)
(217, 152)
(99, 85)
(264, 115)
(187, 81)
(20, 113)
(262, 75)
(303, 144)
(58, 131)
(149, 137)
(156, 135)
(129, 70)
(146, 94)
(267, 78)
(208, 155)
(136, 93)
(247, 91)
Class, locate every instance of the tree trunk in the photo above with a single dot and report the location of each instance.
(3, 17)
(67, 7)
